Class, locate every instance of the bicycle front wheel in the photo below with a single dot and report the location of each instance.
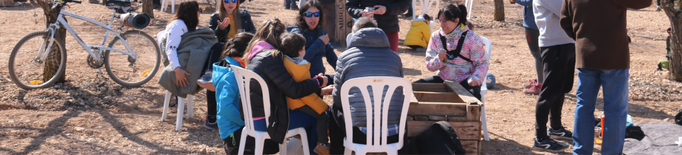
(29, 69)
(125, 70)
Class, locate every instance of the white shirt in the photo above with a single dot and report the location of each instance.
(173, 35)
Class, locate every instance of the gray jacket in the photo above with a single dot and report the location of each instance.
(369, 54)
(193, 52)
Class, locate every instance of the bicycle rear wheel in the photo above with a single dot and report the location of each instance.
(130, 72)
(28, 69)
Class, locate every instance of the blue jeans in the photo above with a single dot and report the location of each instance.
(297, 119)
(615, 89)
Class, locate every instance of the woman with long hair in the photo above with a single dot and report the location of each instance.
(230, 20)
(456, 52)
(309, 23)
(185, 20)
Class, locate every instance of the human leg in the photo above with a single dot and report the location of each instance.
(299, 119)
(336, 134)
(551, 97)
(321, 123)
(532, 40)
(393, 40)
(475, 90)
(587, 91)
(615, 86)
(565, 70)
(430, 79)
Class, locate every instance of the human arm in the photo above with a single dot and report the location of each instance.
(275, 71)
(395, 8)
(426, 32)
(525, 2)
(174, 32)
(566, 18)
(353, 8)
(215, 25)
(553, 6)
(634, 4)
(248, 27)
(330, 54)
(433, 62)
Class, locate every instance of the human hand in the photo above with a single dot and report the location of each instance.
(473, 83)
(224, 23)
(327, 90)
(324, 80)
(325, 39)
(512, 1)
(367, 14)
(442, 56)
(180, 78)
(379, 9)
(208, 86)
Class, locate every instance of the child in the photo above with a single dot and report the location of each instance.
(419, 34)
(664, 63)
(293, 48)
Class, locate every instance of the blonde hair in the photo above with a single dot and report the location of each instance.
(235, 13)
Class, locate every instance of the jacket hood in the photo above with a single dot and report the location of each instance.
(204, 33)
(369, 37)
(260, 46)
(420, 18)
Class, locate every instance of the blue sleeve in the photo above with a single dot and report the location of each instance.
(317, 46)
(329, 52)
(525, 2)
(231, 110)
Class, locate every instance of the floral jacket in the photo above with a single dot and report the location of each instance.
(458, 69)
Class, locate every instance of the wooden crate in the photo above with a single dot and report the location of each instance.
(344, 23)
(6, 2)
(450, 102)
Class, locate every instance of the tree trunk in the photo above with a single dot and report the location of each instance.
(51, 17)
(148, 7)
(675, 17)
(499, 10)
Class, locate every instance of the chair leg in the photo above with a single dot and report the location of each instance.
(304, 142)
(242, 144)
(166, 101)
(283, 148)
(484, 124)
(260, 142)
(190, 106)
(217, 4)
(173, 6)
(163, 5)
(181, 108)
(348, 152)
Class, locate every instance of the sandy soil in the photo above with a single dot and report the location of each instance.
(92, 114)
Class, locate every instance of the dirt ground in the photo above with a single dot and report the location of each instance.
(92, 114)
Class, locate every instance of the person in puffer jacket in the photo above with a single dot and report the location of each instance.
(369, 54)
(419, 34)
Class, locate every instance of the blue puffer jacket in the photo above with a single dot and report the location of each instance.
(315, 49)
(227, 97)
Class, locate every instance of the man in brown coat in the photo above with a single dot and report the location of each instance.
(602, 59)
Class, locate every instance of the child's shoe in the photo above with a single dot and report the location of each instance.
(322, 149)
(530, 84)
(535, 90)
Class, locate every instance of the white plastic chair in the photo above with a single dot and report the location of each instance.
(375, 142)
(469, 4)
(424, 6)
(484, 89)
(181, 108)
(244, 78)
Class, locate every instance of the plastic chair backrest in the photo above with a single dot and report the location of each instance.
(374, 127)
(424, 7)
(488, 50)
(244, 77)
(469, 4)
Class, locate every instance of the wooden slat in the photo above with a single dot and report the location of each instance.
(431, 87)
(344, 22)
(425, 96)
(472, 147)
(464, 130)
(463, 93)
(438, 108)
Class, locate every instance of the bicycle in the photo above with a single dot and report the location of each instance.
(132, 68)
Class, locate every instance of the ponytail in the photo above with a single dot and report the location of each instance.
(452, 12)
(462, 15)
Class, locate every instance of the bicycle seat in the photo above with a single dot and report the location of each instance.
(122, 3)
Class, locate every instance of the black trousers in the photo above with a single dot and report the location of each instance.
(337, 132)
(214, 57)
(321, 123)
(475, 90)
(559, 66)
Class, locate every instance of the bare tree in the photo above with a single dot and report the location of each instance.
(148, 7)
(499, 10)
(51, 17)
(673, 8)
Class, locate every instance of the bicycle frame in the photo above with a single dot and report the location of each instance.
(62, 22)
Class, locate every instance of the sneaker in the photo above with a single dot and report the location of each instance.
(420, 49)
(530, 84)
(658, 8)
(562, 134)
(549, 145)
(294, 7)
(209, 125)
(533, 90)
(322, 149)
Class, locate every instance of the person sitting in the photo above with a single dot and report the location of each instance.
(369, 54)
(419, 34)
(228, 117)
(463, 59)
(309, 24)
(234, 20)
(293, 47)
(267, 62)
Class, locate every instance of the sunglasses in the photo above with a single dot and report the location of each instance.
(310, 14)
(228, 1)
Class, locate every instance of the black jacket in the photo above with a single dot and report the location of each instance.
(389, 20)
(326, 1)
(281, 85)
(247, 25)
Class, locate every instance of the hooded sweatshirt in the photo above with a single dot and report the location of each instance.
(298, 68)
(419, 34)
(458, 69)
(260, 46)
(547, 13)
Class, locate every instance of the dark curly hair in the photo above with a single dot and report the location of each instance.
(301, 21)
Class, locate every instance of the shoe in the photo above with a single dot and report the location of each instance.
(658, 8)
(286, 7)
(294, 7)
(549, 145)
(530, 84)
(533, 90)
(562, 134)
(421, 49)
(209, 125)
(322, 149)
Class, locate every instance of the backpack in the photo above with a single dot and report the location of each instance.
(440, 138)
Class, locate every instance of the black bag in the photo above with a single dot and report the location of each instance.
(231, 144)
(440, 138)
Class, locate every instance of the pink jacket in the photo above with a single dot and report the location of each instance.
(458, 69)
